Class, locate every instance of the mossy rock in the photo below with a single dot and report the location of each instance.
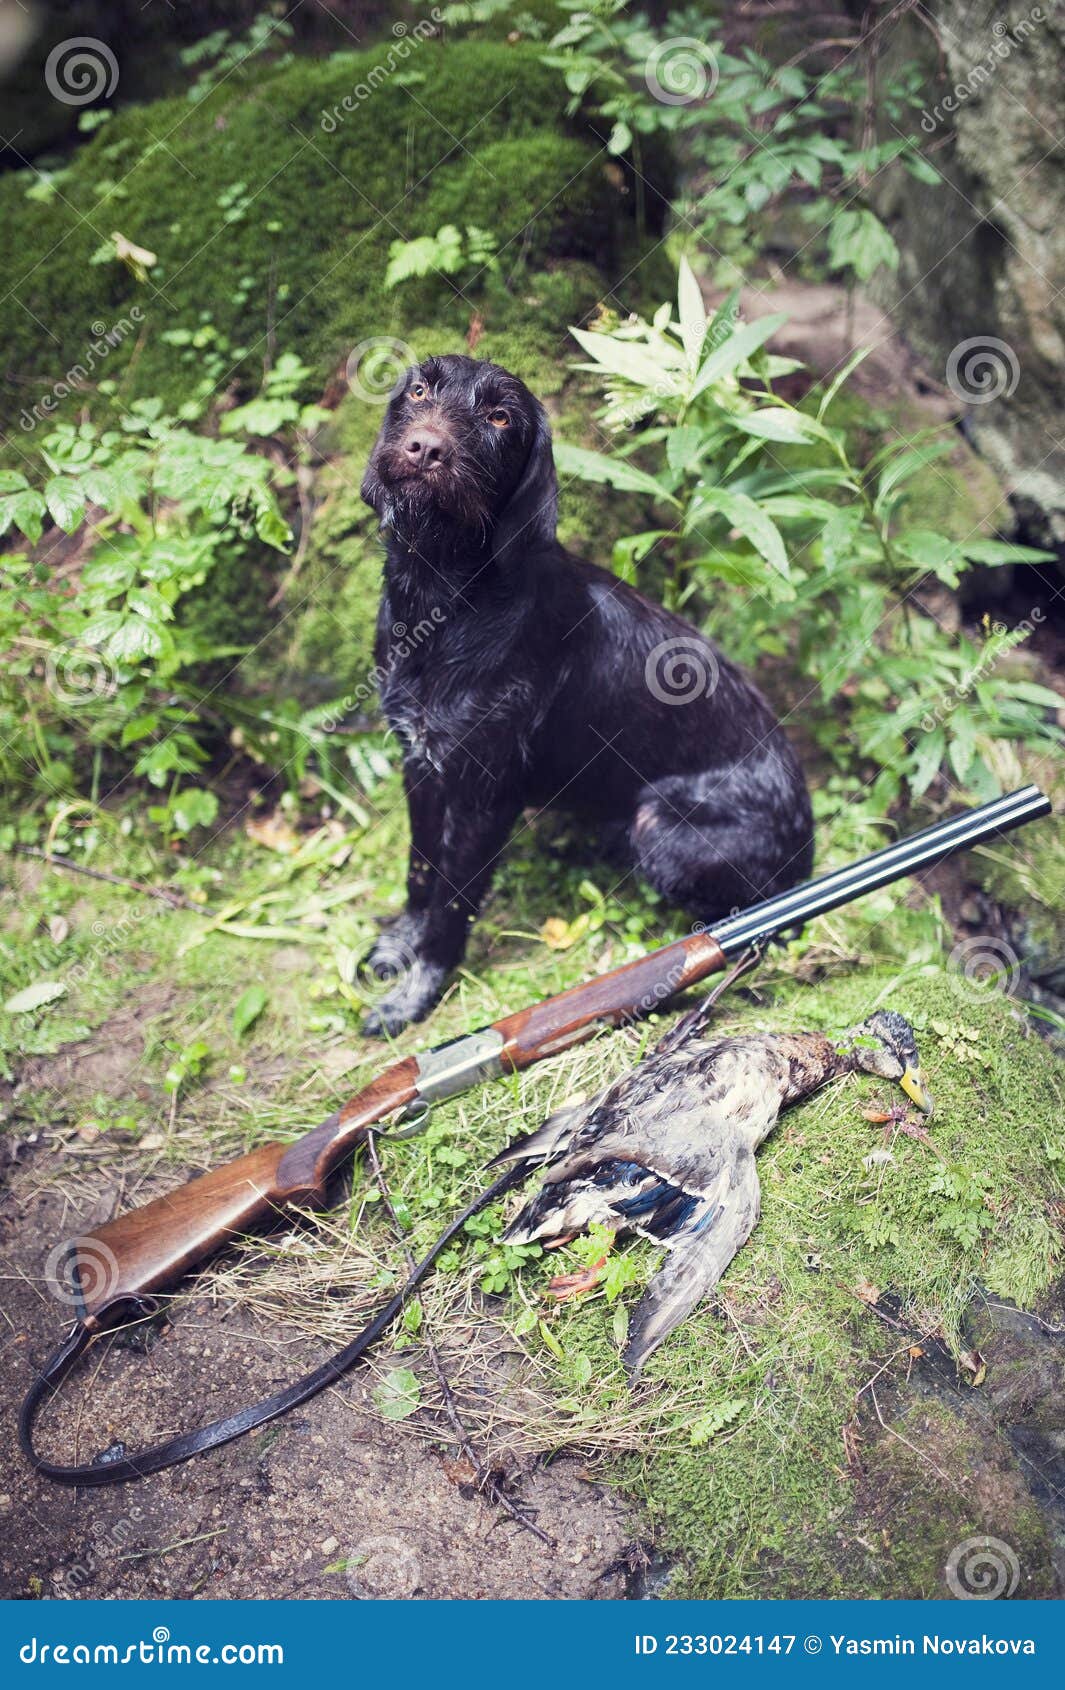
(771, 1504)
(271, 208)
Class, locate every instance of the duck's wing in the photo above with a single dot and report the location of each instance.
(701, 1251)
(612, 1191)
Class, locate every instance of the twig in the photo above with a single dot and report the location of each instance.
(176, 900)
(485, 1479)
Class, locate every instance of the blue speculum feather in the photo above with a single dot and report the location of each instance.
(660, 1206)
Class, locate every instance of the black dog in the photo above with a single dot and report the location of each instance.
(515, 674)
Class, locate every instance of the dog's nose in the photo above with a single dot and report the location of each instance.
(426, 448)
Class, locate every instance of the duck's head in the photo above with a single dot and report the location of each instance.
(884, 1044)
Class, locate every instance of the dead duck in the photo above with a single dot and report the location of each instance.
(668, 1150)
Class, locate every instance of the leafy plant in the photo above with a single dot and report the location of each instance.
(97, 653)
(450, 252)
(753, 131)
(770, 498)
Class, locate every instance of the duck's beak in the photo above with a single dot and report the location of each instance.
(913, 1085)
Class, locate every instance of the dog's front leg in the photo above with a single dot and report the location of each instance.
(457, 833)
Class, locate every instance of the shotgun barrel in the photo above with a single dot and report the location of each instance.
(816, 897)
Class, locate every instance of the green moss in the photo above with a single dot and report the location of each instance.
(770, 1507)
(271, 209)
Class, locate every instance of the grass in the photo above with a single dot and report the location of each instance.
(735, 1443)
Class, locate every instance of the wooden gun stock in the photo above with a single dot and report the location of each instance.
(149, 1249)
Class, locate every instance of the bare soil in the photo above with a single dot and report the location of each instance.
(330, 1502)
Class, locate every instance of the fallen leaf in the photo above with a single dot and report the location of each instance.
(58, 928)
(556, 933)
(248, 1008)
(868, 1292)
(35, 997)
(399, 1394)
(275, 832)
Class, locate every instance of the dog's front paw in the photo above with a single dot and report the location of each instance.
(417, 988)
(395, 950)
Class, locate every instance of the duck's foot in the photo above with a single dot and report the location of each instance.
(565, 1286)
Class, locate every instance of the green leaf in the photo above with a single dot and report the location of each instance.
(620, 139)
(12, 481)
(35, 997)
(638, 364)
(708, 1425)
(24, 511)
(791, 428)
(840, 377)
(248, 1008)
(736, 350)
(858, 241)
(926, 762)
(195, 807)
(907, 464)
(399, 1394)
(66, 502)
(272, 529)
(1032, 693)
(134, 638)
(751, 520)
(101, 627)
(999, 551)
(692, 313)
(614, 472)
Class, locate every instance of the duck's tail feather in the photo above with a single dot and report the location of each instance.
(547, 1141)
(693, 1267)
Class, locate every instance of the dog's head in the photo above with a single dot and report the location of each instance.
(464, 445)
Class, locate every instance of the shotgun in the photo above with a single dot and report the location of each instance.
(126, 1260)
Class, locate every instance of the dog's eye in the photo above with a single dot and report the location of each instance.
(419, 391)
(499, 419)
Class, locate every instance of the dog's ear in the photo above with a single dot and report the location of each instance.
(530, 516)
